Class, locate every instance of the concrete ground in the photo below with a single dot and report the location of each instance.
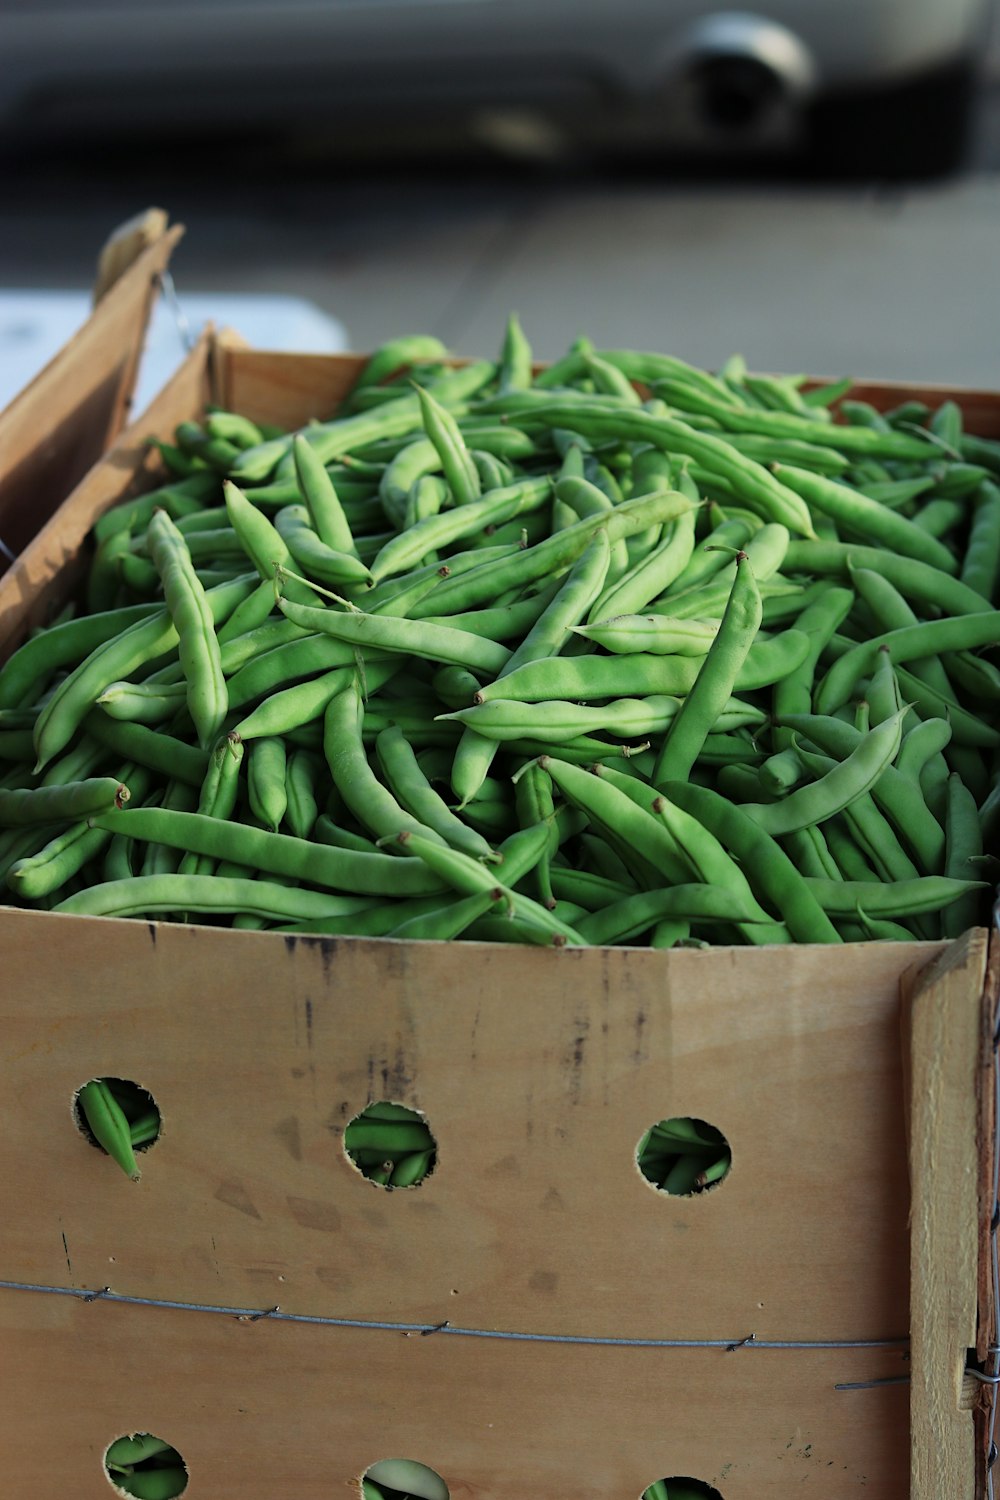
(898, 282)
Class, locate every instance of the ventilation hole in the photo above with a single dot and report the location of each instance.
(402, 1479)
(681, 1487)
(682, 1156)
(118, 1117)
(391, 1145)
(146, 1467)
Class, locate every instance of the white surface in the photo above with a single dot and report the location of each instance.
(35, 324)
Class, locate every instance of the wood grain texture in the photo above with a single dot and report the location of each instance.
(946, 1003)
(538, 1073)
(124, 245)
(61, 424)
(270, 1410)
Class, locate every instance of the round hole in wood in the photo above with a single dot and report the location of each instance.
(681, 1487)
(118, 1117)
(402, 1479)
(683, 1156)
(142, 1465)
(391, 1144)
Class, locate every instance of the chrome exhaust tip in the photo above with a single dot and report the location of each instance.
(739, 79)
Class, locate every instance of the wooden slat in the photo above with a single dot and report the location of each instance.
(44, 575)
(62, 423)
(945, 1002)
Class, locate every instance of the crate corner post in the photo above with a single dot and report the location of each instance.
(943, 1010)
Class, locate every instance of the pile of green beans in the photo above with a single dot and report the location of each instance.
(614, 652)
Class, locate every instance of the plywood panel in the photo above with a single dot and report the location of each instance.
(538, 1072)
(271, 1410)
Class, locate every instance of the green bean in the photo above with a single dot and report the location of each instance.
(399, 354)
(371, 803)
(634, 914)
(868, 519)
(148, 895)
(181, 498)
(590, 677)
(143, 702)
(899, 898)
(397, 416)
(304, 656)
(688, 840)
(303, 777)
(444, 432)
(414, 792)
(321, 497)
(544, 559)
(927, 638)
(849, 780)
(892, 612)
(772, 873)
(116, 658)
(300, 704)
(69, 801)
(436, 532)
(894, 790)
(149, 747)
(107, 1122)
(339, 569)
(504, 622)
(964, 848)
(275, 853)
(217, 797)
(819, 621)
(266, 781)
(981, 564)
(191, 614)
(469, 877)
(657, 634)
(388, 633)
(711, 689)
(862, 441)
(914, 580)
(33, 664)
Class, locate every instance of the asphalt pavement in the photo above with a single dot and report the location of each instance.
(897, 281)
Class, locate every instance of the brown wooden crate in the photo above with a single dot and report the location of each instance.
(538, 1076)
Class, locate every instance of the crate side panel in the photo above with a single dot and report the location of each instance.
(538, 1072)
(287, 389)
(51, 566)
(61, 423)
(279, 1409)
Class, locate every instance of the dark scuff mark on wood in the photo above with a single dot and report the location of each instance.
(289, 1132)
(309, 1021)
(311, 1213)
(233, 1193)
(151, 929)
(69, 1263)
(639, 1050)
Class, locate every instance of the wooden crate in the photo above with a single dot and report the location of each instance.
(534, 1319)
(57, 428)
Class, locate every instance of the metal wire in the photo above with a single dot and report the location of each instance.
(170, 297)
(256, 1315)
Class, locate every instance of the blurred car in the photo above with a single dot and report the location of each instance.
(880, 86)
